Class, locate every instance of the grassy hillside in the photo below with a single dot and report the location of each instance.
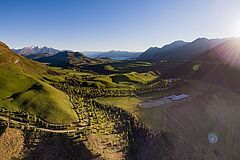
(134, 77)
(127, 80)
(22, 89)
(126, 103)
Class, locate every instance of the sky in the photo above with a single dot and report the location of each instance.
(101, 25)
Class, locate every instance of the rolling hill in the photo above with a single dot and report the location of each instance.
(180, 51)
(68, 58)
(22, 89)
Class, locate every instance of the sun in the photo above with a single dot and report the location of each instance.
(236, 29)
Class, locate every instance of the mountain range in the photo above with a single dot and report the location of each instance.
(37, 52)
(219, 65)
(34, 52)
(180, 50)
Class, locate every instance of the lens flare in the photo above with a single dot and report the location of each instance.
(212, 138)
(229, 53)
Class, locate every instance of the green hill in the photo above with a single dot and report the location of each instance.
(127, 80)
(68, 58)
(22, 89)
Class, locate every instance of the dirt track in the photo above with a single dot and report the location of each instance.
(42, 129)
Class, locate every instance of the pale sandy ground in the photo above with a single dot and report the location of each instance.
(11, 144)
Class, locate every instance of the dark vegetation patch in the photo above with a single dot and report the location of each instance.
(60, 147)
(122, 78)
(2, 129)
(132, 66)
(34, 87)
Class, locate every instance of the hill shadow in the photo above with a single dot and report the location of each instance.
(60, 147)
(35, 87)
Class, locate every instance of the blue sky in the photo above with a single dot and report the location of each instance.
(133, 25)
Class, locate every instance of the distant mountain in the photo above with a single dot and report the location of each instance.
(220, 65)
(154, 52)
(181, 51)
(116, 55)
(68, 58)
(34, 52)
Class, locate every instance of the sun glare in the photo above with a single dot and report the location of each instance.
(236, 29)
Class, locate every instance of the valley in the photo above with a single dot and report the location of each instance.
(119, 80)
(119, 109)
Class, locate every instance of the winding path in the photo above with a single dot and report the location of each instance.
(41, 129)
